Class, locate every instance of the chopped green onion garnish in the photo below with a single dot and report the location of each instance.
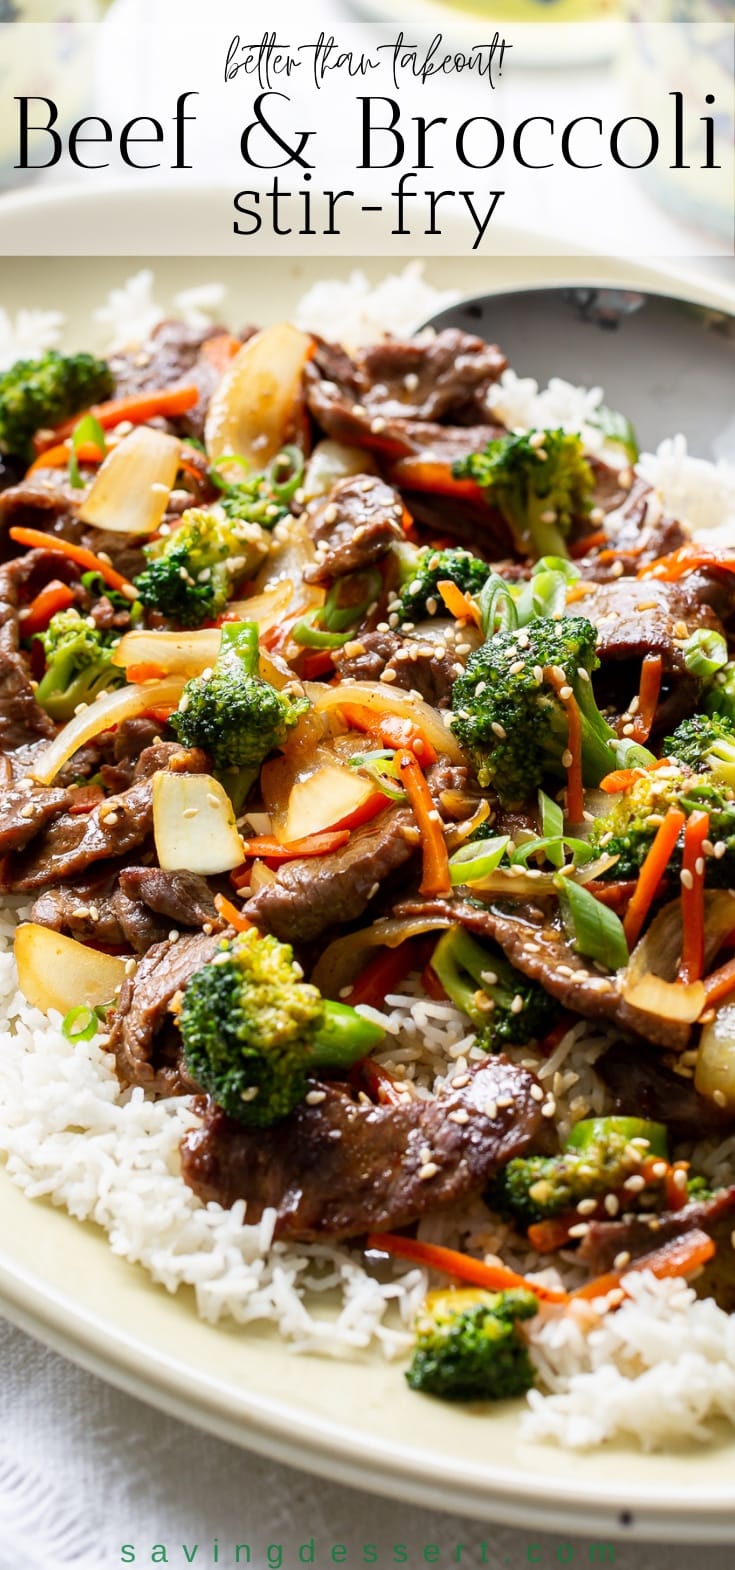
(312, 637)
(553, 847)
(226, 461)
(552, 827)
(81, 1023)
(286, 474)
(497, 606)
(557, 564)
(705, 653)
(349, 598)
(594, 929)
(379, 766)
(478, 859)
(86, 432)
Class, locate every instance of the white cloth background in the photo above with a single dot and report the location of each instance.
(84, 1469)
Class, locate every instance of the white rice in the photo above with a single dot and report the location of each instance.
(664, 1365)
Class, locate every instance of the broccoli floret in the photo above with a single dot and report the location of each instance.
(78, 664)
(253, 1030)
(236, 716)
(192, 573)
(252, 501)
(706, 745)
(505, 1005)
(422, 570)
(468, 1347)
(35, 394)
(628, 829)
(541, 482)
(719, 697)
(603, 1156)
(509, 717)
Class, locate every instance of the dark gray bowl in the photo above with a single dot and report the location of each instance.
(666, 363)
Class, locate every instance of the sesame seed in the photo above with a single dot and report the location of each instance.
(616, 571)
(565, 694)
(491, 1109)
(388, 676)
(190, 812)
(612, 1204)
(460, 1116)
(460, 1081)
(536, 1093)
(174, 936)
(679, 1178)
(516, 667)
(621, 1260)
(27, 810)
(504, 1101)
(499, 730)
(719, 849)
(567, 758)
(314, 1097)
(131, 965)
(377, 425)
(250, 1093)
(580, 1229)
(549, 1108)
(516, 1006)
(686, 878)
(427, 1171)
(586, 1207)
(635, 1184)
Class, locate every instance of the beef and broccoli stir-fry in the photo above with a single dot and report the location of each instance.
(316, 681)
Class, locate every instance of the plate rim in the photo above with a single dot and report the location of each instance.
(267, 1424)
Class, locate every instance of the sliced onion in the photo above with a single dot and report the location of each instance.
(667, 999)
(344, 959)
(124, 703)
(194, 824)
(326, 797)
(56, 972)
(175, 653)
(260, 876)
(258, 406)
(659, 951)
(516, 882)
(331, 462)
(649, 983)
(131, 490)
(714, 1076)
(381, 700)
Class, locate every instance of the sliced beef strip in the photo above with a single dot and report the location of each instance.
(637, 1235)
(46, 501)
(143, 1012)
(22, 720)
(643, 1086)
(305, 898)
(26, 810)
(117, 826)
(172, 355)
(430, 377)
(341, 1168)
(639, 617)
(533, 940)
(412, 665)
(98, 912)
(354, 527)
(182, 897)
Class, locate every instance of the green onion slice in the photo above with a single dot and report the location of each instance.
(380, 766)
(312, 637)
(286, 474)
(478, 859)
(81, 1023)
(497, 606)
(553, 847)
(86, 432)
(705, 653)
(349, 598)
(595, 930)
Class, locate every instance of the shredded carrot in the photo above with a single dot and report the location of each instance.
(686, 559)
(719, 984)
(35, 539)
(577, 591)
(614, 555)
(651, 670)
(317, 663)
(547, 1236)
(496, 1278)
(679, 1257)
(589, 542)
(622, 779)
(231, 914)
(220, 349)
(651, 873)
(382, 975)
(676, 1191)
(377, 1082)
(461, 606)
(58, 457)
(575, 788)
(137, 408)
(393, 730)
(268, 848)
(55, 597)
(692, 897)
(436, 879)
(147, 670)
(613, 894)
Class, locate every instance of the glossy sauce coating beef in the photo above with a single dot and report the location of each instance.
(339, 1167)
